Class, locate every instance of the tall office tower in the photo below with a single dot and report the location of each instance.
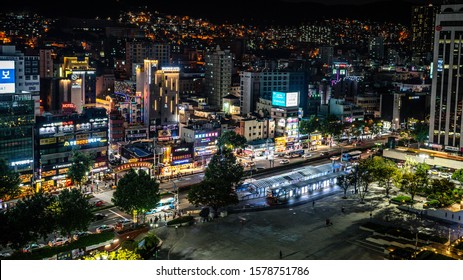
(326, 55)
(376, 48)
(218, 76)
(19, 93)
(446, 119)
(255, 85)
(46, 63)
(138, 50)
(164, 96)
(145, 80)
(422, 25)
(83, 81)
(161, 52)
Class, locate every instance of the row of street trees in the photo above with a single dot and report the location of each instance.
(43, 214)
(412, 179)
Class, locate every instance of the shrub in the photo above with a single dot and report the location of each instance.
(180, 220)
(432, 203)
(402, 199)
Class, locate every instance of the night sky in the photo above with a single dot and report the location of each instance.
(270, 11)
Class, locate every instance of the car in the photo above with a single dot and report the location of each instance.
(284, 161)
(99, 203)
(80, 234)
(103, 228)
(123, 223)
(99, 216)
(287, 156)
(325, 153)
(59, 241)
(306, 155)
(32, 247)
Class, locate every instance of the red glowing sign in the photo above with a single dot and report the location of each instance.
(68, 106)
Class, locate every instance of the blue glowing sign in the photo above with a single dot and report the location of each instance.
(279, 99)
(7, 76)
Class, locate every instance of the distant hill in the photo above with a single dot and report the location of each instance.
(259, 12)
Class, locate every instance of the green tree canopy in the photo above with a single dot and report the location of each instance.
(443, 191)
(383, 171)
(136, 193)
(231, 140)
(81, 165)
(74, 212)
(458, 175)
(121, 254)
(31, 218)
(420, 132)
(9, 181)
(221, 178)
(309, 125)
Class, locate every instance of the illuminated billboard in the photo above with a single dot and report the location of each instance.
(279, 99)
(7, 76)
(285, 99)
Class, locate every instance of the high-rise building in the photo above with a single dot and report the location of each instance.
(46, 63)
(326, 55)
(19, 98)
(446, 119)
(218, 76)
(137, 51)
(262, 84)
(422, 27)
(83, 81)
(376, 48)
(164, 96)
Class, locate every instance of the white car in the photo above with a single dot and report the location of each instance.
(284, 161)
(306, 155)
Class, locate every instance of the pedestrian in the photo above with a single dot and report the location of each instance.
(313, 203)
(281, 255)
(156, 219)
(165, 217)
(371, 214)
(151, 220)
(342, 209)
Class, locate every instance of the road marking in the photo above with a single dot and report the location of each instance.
(116, 213)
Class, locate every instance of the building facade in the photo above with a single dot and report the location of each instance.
(446, 120)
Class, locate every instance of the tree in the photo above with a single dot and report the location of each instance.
(420, 132)
(74, 212)
(409, 184)
(31, 218)
(136, 193)
(442, 190)
(309, 126)
(458, 175)
(81, 165)
(364, 177)
(121, 254)
(344, 182)
(383, 171)
(221, 178)
(231, 140)
(9, 181)
(331, 126)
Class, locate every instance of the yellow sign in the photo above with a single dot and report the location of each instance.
(127, 166)
(47, 141)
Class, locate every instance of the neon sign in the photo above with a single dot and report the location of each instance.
(82, 142)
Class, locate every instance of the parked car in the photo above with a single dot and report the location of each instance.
(306, 155)
(32, 247)
(99, 216)
(123, 223)
(103, 228)
(99, 203)
(59, 241)
(284, 161)
(80, 234)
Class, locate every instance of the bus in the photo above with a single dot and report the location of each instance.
(352, 155)
(294, 154)
(164, 204)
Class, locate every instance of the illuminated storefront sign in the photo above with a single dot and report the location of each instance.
(21, 162)
(285, 99)
(7, 76)
(83, 142)
(127, 166)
